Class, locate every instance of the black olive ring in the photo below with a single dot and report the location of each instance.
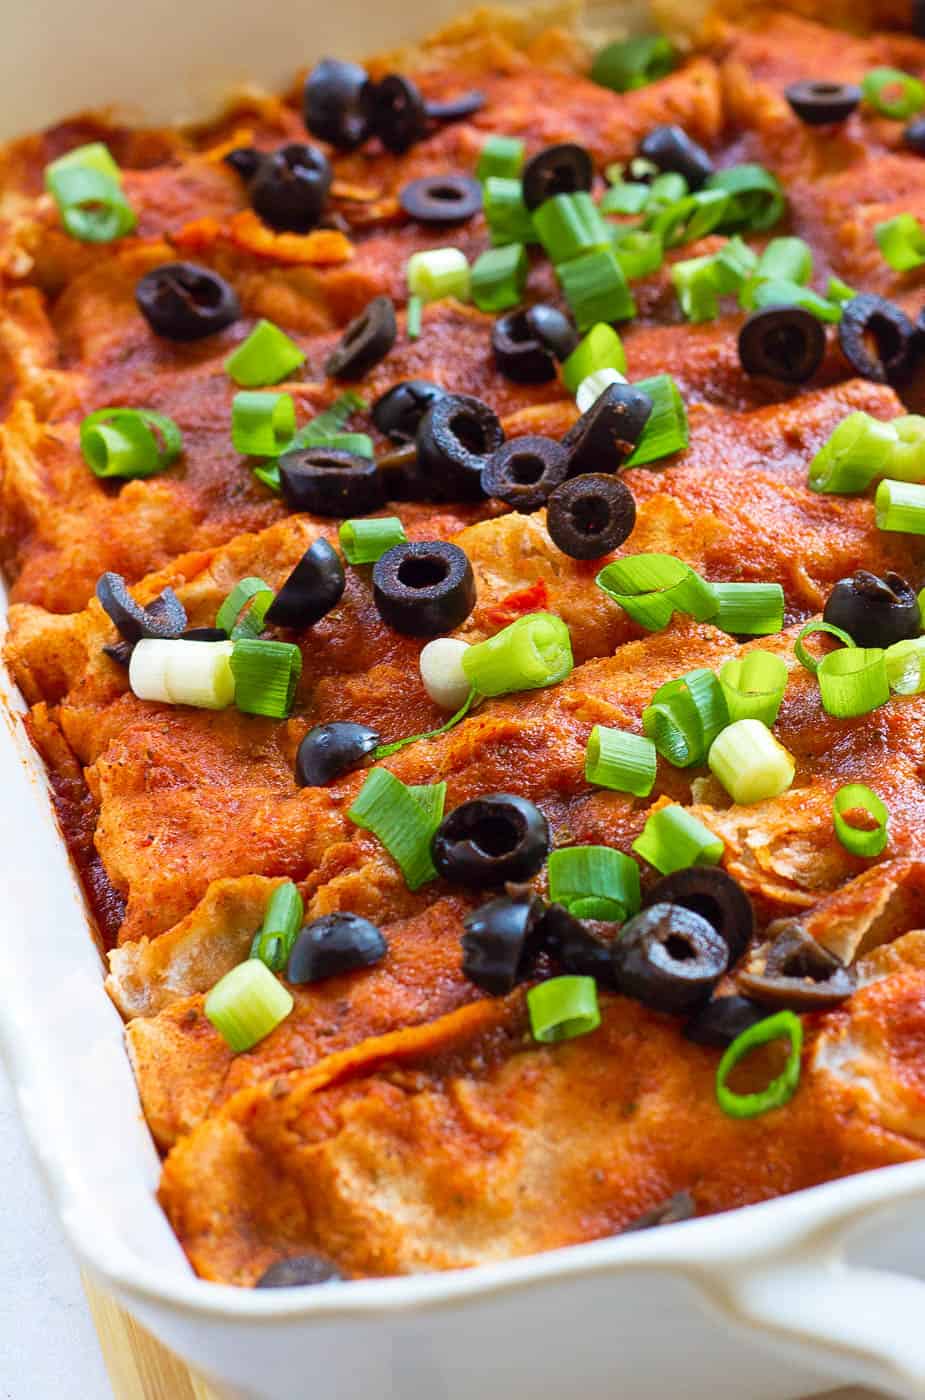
(669, 958)
(327, 481)
(441, 199)
(708, 891)
(870, 319)
(783, 342)
(333, 945)
(491, 839)
(455, 437)
(182, 301)
(589, 516)
(525, 471)
(424, 589)
(367, 339)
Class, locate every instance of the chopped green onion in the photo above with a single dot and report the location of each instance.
(330, 422)
(563, 1008)
(905, 666)
(413, 317)
(638, 252)
(594, 882)
(839, 291)
(600, 349)
(273, 940)
(595, 289)
(684, 717)
(268, 473)
(568, 225)
(508, 218)
(265, 357)
(364, 541)
(732, 264)
(861, 820)
(129, 442)
(266, 675)
(754, 686)
(855, 454)
(501, 157)
(673, 838)
(786, 260)
(804, 657)
(625, 198)
(750, 763)
(247, 1004)
(892, 93)
(900, 506)
(668, 187)
(404, 819)
(360, 444)
(628, 64)
(438, 273)
(749, 609)
(756, 200)
(533, 652)
(759, 295)
(907, 458)
(666, 431)
(853, 681)
(651, 587)
(183, 672)
(249, 590)
(620, 761)
(386, 750)
(695, 286)
(901, 241)
(262, 424)
(86, 185)
(780, 1090)
(689, 218)
(499, 277)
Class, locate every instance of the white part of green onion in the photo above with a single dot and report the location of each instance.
(750, 763)
(442, 674)
(182, 672)
(593, 385)
(437, 273)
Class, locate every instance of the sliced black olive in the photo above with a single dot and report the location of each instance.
(524, 471)
(424, 589)
(500, 942)
(395, 112)
(722, 1020)
(874, 611)
(441, 199)
(716, 897)
(796, 973)
(607, 432)
(245, 160)
(670, 148)
(574, 944)
(332, 103)
(121, 652)
(818, 103)
(299, 1271)
(527, 344)
(165, 617)
(315, 586)
(329, 482)
(290, 187)
(552, 328)
(876, 337)
(331, 749)
(399, 411)
(367, 340)
(561, 169)
(590, 515)
(669, 958)
(204, 634)
(681, 1206)
(455, 437)
(489, 840)
(182, 301)
(914, 136)
(918, 18)
(456, 108)
(783, 342)
(332, 945)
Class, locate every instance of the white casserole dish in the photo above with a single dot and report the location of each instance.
(809, 1291)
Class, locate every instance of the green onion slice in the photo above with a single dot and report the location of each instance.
(651, 587)
(839, 291)
(262, 424)
(861, 819)
(563, 1008)
(249, 590)
(600, 349)
(282, 921)
(129, 442)
(508, 218)
(684, 717)
(750, 763)
(569, 225)
(749, 609)
(855, 454)
(694, 282)
(667, 430)
(689, 218)
(633, 63)
(86, 185)
(266, 675)
(247, 1004)
(265, 357)
(499, 277)
(366, 540)
(533, 652)
(806, 658)
(438, 273)
(756, 200)
(754, 686)
(413, 317)
(386, 750)
(892, 93)
(673, 838)
(783, 1025)
(595, 288)
(786, 260)
(620, 761)
(502, 157)
(901, 241)
(594, 882)
(905, 666)
(625, 198)
(758, 295)
(638, 251)
(853, 681)
(900, 506)
(404, 819)
(330, 422)
(907, 457)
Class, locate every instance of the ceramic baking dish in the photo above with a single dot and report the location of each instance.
(779, 1300)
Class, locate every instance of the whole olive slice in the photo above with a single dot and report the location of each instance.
(332, 103)
(819, 103)
(165, 617)
(491, 839)
(441, 199)
(525, 471)
(722, 1020)
(182, 301)
(424, 588)
(588, 516)
(500, 942)
(398, 412)
(315, 586)
(782, 342)
(668, 958)
(331, 749)
(299, 1271)
(715, 896)
(456, 436)
(607, 432)
(680, 1206)
(874, 611)
(368, 339)
(796, 973)
(877, 338)
(563, 169)
(330, 482)
(333, 945)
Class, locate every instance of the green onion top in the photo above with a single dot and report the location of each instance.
(86, 185)
(892, 93)
(129, 442)
(633, 63)
(860, 819)
(563, 1008)
(265, 357)
(282, 921)
(405, 820)
(784, 1025)
(594, 882)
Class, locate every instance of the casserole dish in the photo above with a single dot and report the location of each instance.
(756, 1304)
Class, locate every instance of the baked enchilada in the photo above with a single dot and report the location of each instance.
(463, 520)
